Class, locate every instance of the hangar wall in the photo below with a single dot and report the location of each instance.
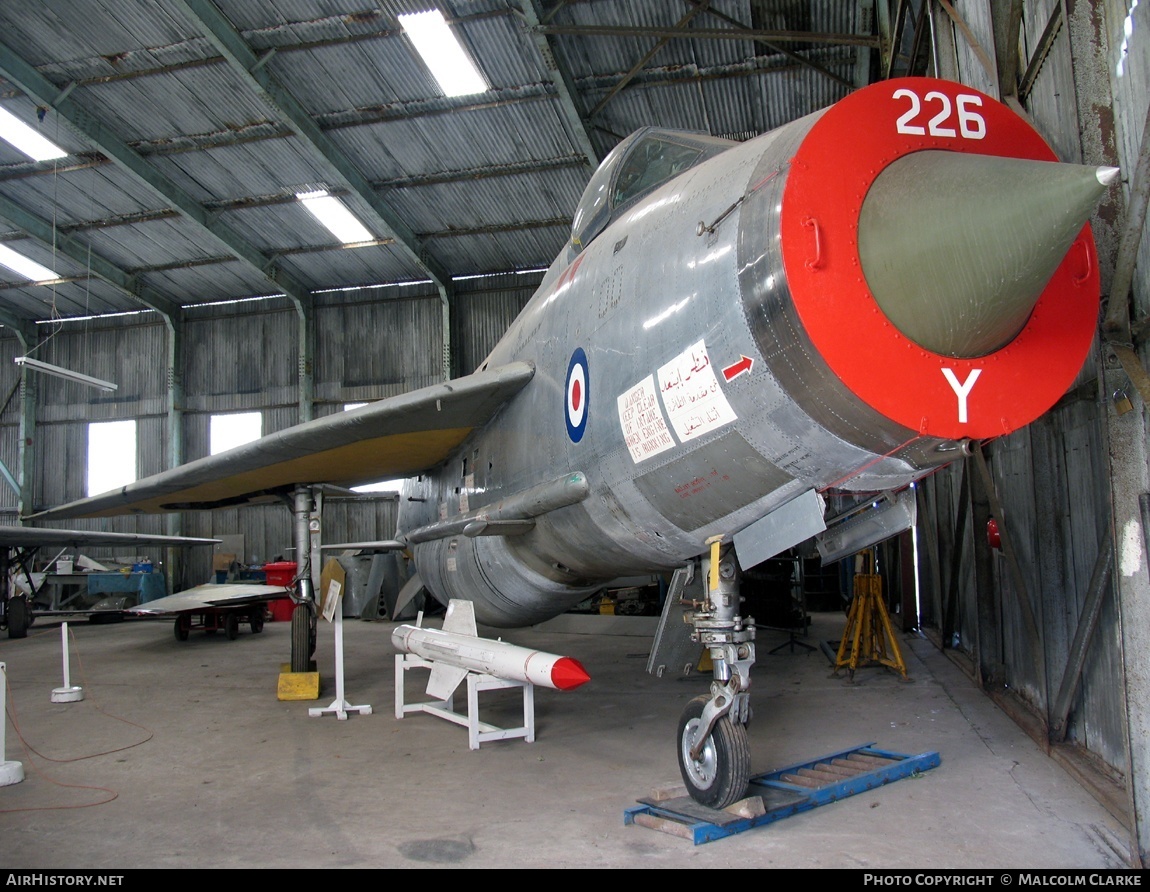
(369, 344)
(1065, 676)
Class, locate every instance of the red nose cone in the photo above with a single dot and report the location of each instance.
(568, 673)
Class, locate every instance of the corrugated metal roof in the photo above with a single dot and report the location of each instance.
(180, 159)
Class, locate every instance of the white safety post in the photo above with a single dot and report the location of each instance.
(10, 772)
(69, 693)
(339, 705)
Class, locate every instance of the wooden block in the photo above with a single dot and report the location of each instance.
(298, 686)
(751, 807)
(670, 790)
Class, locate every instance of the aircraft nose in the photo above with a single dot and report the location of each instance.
(957, 248)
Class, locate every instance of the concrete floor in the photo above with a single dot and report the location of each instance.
(181, 755)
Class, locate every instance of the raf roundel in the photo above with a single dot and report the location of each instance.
(576, 395)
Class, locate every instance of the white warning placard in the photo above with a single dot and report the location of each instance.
(691, 394)
(642, 421)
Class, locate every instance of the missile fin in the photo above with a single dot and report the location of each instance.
(460, 618)
(444, 679)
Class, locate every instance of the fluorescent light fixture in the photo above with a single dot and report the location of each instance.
(333, 214)
(30, 269)
(67, 374)
(27, 140)
(442, 53)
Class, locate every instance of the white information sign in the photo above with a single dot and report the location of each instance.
(691, 394)
(644, 427)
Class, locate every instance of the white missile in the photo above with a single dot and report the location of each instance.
(457, 649)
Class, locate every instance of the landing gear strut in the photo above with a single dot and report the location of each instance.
(714, 755)
(303, 618)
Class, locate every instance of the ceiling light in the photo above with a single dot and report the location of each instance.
(442, 53)
(333, 214)
(27, 140)
(30, 269)
(60, 372)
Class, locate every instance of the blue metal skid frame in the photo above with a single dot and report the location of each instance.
(784, 792)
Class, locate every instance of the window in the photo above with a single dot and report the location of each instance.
(234, 429)
(111, 455)
(379, 485)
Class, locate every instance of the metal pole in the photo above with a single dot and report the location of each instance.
(10, 772)
(68, 693)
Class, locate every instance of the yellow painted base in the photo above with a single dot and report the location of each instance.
(298, 686)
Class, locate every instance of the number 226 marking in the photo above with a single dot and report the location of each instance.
(971, 125)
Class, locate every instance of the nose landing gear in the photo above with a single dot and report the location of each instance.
(714, 754)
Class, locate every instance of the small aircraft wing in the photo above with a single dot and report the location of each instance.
(211, 595)
(36, 537)
(394, 437)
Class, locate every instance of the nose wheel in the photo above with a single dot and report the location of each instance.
(718, 774)
(714, 754)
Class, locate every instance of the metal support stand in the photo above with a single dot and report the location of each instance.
(339, 705)
(869, 633)
(477, 731)
(69, 693)
(10, 772)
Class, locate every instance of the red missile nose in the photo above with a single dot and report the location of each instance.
(568, 673)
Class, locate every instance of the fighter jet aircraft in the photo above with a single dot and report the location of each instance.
(734, 333)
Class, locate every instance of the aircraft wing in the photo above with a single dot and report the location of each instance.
(34, 537)
(394, 437)
(211, 595)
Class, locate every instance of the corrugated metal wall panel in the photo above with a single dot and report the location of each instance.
(974, 46)
(1010, 459)
(1052, 100)
(484, 309)
(1131, 85)
(1097, 717)
(241, 361)
(366, 351)
(1052, 479)
(126, 351)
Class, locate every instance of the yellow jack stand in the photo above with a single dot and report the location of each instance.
(868, 633)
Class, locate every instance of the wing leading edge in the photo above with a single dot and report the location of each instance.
(394, 437)
(35, 537)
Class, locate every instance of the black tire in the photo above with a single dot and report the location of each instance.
(232, 626)
(181, 627)
(719, 777)
(257, 620)
(19, 617)
(302, 639)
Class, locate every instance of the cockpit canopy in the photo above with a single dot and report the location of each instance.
(643, 161)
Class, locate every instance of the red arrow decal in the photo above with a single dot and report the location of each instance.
(731, 372)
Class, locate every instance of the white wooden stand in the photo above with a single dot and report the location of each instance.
(69, 693)
(477, 731)
(10, 772)
(339, 705)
